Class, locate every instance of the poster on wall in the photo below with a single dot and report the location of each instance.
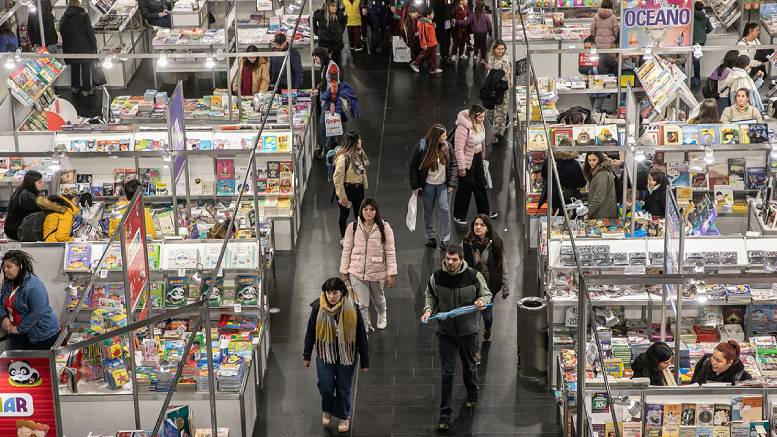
(26, 398)
(656, 23)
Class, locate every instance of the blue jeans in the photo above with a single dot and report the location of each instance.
(378, 20)
(436, 195)
(334, 383)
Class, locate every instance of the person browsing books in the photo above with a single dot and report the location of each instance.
(722, 365)
(741, 110)
(652, 363)
(601, 187)
(655, 197)
(23, 202)
(130, 187)
(708, 113)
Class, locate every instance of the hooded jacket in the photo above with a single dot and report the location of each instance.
(32, 302)
(724, 81)
(740, 79)
(572, 179)
(77, 34)
(362, 343)
(330, 35)
(655, 201)
(463, 140)
(58, 224)
(427, 37)
(119, 209)
(605, 29)
(19, 207)
(703, 372)
(417, 176)
(480, 24)
(493, 91)
(260, 77)
(447, 291)
(365, 256)
(602, 198)
(701, 27)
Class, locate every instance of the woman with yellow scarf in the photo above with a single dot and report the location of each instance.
(337, 329)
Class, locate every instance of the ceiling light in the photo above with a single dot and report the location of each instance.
(709, 155)
(10, 63)
(108, 62)
(162, 61)
(209, 62)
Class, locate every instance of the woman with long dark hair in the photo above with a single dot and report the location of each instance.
(433, 174)
(329, 25)
(653, 363)
(602, 198)
(722, 74)
(336, 329)
(369, 259)
(24, 201)
(350, 177)
(25, 312)
(470, 146)
(484, 252)
(253, 74)
(708, 113)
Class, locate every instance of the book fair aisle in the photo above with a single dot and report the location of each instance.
(185, 181)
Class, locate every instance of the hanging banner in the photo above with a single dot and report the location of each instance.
(26, 397)
(177, 130)
(136, 261)
(656, 23)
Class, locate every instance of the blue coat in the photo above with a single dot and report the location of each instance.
(32, 301)
(343, 90)
(276, 62)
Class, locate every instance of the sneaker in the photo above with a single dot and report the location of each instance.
(477, 358)
(464, 57)
(344, 426)
(470, 404)
(436, 71)
(382, 322)
(432, 242)
(326, 419)
(414, 67)
(487, 335)
(493, 215)
(358, 49)
(444, 424)
(453, 59)
(460, 222)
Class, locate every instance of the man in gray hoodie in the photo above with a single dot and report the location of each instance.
(455, 286)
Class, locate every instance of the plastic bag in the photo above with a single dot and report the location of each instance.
(401, 51)
(412, 208)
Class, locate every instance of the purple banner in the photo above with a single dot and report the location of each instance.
(176, 130)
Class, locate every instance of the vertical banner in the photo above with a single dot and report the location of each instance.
(656, 23)
(27, 397)
(136, 260)
(177, 130)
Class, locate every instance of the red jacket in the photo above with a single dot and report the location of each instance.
(426, 34)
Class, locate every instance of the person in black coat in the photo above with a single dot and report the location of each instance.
(24, 201)
(655, 198)
(276, 63)
(156, 12)
(571, 175)
(50, 32)
(329, 24)
(722, 365)
(652, 363)
(78, 37)
(442, 14)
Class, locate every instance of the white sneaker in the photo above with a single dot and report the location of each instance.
(326, 419)
(382, 322)
(414, 67)
(436, 71)
(464, 56)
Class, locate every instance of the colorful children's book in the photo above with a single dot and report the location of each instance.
(607, 135)
(729, 134)
(673, 134)
(688, 415)
(584, 135)
(717, 174)
(654, 414)
(691, 134)
(758, 133)
(755, 177)
(708, 134)
(722, 415)
(536, 140)
(175, 292)
(744, 133)
(559, 133)
(246, 289)
(78, 257)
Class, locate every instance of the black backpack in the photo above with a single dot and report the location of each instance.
(710, 89)
(31, 228)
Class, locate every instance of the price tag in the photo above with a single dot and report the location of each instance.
(570, 318)
(634, 270)
(103, 274)
(181, 272)
(238, 308)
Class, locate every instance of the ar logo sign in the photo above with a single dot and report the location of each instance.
(16, 405)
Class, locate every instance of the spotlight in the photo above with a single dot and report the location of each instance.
(108, 62)
(697, 53)
(10, 63)
(209, 62)
(162, 61)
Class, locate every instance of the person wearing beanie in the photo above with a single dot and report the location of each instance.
(722, 365)
(652, 363)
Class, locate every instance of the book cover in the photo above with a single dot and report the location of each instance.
(690, 134)
(285, 186)
(273, 169)
(708, 134)
(744, 134)
(736, 173)
(758, 133)
(284, 145)
(246, 289)
(729, 134)
(717, 174)
(688, 414)
(631, 429)
(724, 197)
(225, 187)
(684, 194)
(761, 428)
(607, 135)
(721, 431)
(157, 294)
(537, 139)
(67, 177)
(175, 292)
(654, 414)
(154, 250)
(672, 135)
(559, 133)
(671, 431)
(678, 175)
(722, 415)
(672, 414)
(584, 135)
(225, 169)
(704, 414)
(654, 431)
(752, 409)
(755, 177)
(78, 257)
(703, 431)
(699, 181)
(687, 431)
(181, 256)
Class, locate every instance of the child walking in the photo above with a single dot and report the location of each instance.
(481, 29)
(427, 38)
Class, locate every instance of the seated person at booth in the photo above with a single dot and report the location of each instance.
(25, 312)
(708, 113)
(130, 187)
(655, 197)
(652, 363)
(156, 12)
(722, 365)
(741, 110)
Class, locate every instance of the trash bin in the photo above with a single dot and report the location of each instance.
(532, 337)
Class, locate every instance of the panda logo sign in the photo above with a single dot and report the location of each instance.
(21, 374)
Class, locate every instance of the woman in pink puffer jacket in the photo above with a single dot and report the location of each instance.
(470, 146)
(369, 258)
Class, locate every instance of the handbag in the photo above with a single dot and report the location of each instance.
(98, 75)
(333, 124)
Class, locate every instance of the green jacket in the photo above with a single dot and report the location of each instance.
(602, 198)
(701, 27)
(447, 291)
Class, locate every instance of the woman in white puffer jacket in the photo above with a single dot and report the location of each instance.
(369, 258)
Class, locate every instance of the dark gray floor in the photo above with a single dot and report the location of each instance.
(400, 394)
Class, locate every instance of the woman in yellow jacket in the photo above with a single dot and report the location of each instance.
(60, 214)
(253, 74)
(354, 9)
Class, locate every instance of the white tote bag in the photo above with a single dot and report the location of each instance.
(412, 208)
(333, 124)
(400, 49)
